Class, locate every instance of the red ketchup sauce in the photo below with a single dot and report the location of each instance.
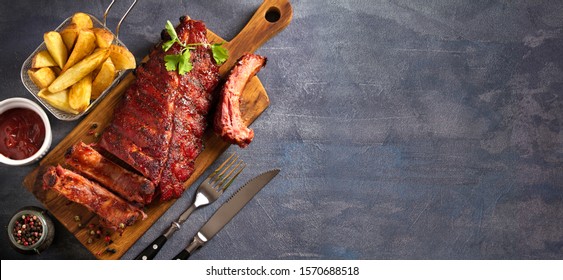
(21, 133)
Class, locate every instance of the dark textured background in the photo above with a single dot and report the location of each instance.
(404, 129)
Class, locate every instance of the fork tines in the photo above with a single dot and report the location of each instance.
(227, 172)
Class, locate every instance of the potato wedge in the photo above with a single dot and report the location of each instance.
(85, 44)
(56, 47)
(58, 100)
(104, 38)
(103, 79)
(79, 94)
(82, 20)
(122, 58)
(69, 35)
(42, 59)
(57, 70)
(42, 77)
(79, 70)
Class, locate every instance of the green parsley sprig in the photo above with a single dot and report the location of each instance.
(181, 61)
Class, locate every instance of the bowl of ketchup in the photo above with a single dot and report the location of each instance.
(25, 132)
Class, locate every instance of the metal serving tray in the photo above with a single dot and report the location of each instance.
(34, 90)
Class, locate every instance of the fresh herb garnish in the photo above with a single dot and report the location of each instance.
(181, 61)
(173, 35)
(220, 54)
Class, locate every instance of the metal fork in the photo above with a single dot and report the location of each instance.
(207, 192)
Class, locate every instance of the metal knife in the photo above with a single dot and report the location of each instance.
(227, 211)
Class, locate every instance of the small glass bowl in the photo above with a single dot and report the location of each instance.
(46, 238)
(34, 90)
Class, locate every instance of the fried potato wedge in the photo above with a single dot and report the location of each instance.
(82, 21)
(42, 77)
(57, 70)
(79, 70)
(42, 59)
(69, 35)
(104, 38)
(58, 100)
(85, 44)
(122, 58)
(103, 79)
(79, 94)
(56, 47)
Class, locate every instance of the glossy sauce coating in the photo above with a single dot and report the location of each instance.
(21, 133)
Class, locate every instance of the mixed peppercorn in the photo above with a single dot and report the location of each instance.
(97, 232)
(27, 230)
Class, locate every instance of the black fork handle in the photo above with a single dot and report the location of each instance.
(152, 250)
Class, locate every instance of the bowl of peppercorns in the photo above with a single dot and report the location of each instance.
(30, 230)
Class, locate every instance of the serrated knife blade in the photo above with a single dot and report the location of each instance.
(227, 211)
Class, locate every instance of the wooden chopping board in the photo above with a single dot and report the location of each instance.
(271, 17)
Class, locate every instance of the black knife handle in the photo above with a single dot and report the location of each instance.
(194, 245)
(184, 255)
(150, 252)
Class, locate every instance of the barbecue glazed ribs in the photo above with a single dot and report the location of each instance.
(130, 186)
(159, 125)
(114, 211)
(228, 122)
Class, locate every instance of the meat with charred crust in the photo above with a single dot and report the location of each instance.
(114, 211)
(158, 127)
(228, 122)
(130, 186)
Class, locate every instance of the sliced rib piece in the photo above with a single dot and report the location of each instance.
(115, 211)
(159, 125)
(228, 122)
(128, 185)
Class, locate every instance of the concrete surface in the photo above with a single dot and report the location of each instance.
(404, 129)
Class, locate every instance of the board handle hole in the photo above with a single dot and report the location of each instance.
(273, 14)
